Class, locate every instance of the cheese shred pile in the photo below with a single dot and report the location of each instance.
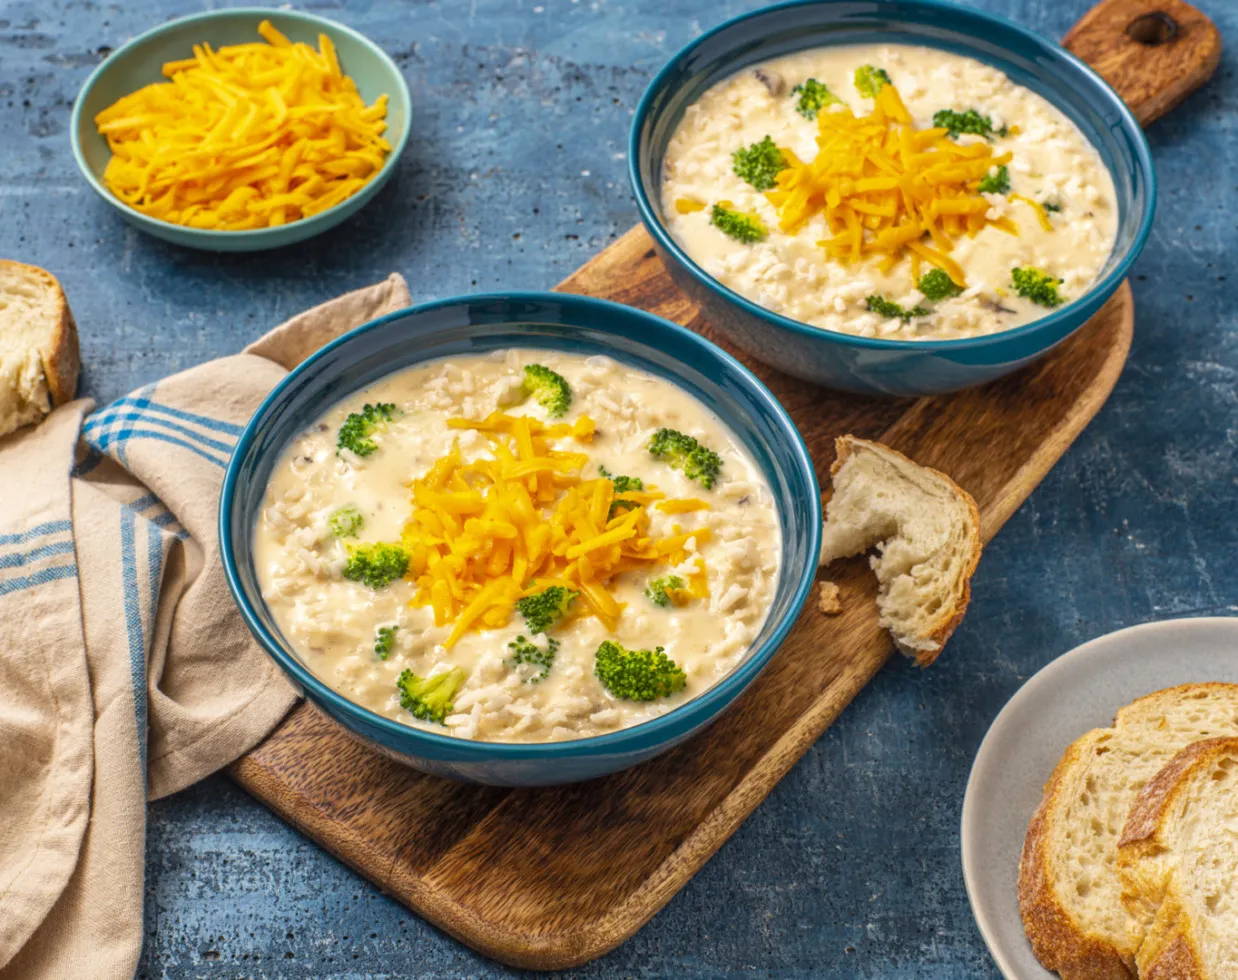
(246, 136)
(487, 532)
(888, 189)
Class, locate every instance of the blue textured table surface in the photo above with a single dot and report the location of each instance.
(515, 176)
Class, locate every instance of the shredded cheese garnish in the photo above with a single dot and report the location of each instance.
(246, 136)
(887, 188)
(485, 533)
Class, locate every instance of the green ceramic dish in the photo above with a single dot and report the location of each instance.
(138, 63)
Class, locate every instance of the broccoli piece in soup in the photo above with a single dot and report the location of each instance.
(356, 434)
(813, 98)
(429, 698)
(658, 591)
(637, 675)
(346, 521)
(545, 609)
(869, 80)
(743, 227)
(1036, 285)
(623, 484)
(682, 452)
(997, 182)
(524, 651)
(892, 311)
(970, 121)
(549, 388)
(384, 640)
(936, 284)
(376, 565)
(759, 164)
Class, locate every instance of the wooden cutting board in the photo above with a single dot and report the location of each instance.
(552, 878)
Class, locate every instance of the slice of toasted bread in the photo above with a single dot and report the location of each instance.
(927, 532)
(1178, 863)
(39, 359)
(1069, 889)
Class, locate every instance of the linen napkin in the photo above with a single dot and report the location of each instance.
(126, 672)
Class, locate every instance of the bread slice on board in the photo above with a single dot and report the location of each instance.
(1178, 862)
(1069, 889)
(39, 359)
(926, 529)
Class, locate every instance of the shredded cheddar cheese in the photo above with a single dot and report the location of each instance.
(246, 136)
(886, 188)
(487, 532)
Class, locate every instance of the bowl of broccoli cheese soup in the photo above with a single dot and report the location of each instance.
(524, 539)
(905, 198)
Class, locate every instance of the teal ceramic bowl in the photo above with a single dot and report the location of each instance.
(478, 324)
(873, 366)
(139, 63)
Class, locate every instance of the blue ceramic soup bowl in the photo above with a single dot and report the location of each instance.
(859, 364)
(480, 324)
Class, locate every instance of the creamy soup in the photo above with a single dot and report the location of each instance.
(886, 164)
(410, 540)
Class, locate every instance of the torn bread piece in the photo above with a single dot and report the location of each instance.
(926, 530)
(1178, 862)
(1070, 892)
(39, 358)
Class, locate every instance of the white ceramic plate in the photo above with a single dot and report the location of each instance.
(1077, 692)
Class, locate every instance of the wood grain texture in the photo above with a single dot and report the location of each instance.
(1153, 52)
(555, 877)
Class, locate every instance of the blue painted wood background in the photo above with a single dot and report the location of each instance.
(516, 175)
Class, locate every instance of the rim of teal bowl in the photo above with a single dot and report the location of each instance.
(251, 234)
(697, 711)
(1047, 324)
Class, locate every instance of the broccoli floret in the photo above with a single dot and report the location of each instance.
(658, 590)
(1038, 286)
(746, 228)
(384, 640)
(637, 675)
(759, 164)
(682, 452)
(429, 698)
(543, 610)
(892, 311)
(813, 98)
(623, 484)
(966, 122)
(526, 652)
(936, 284)
(376, 565)
(549, 388)
(996, 183)
(346, 521)
(869, 80)
(359, 427)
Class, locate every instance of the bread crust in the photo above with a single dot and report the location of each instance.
(1170, 950)
(62, 359)
(844, 446)
(1056, 937)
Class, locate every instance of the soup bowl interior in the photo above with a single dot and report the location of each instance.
(870, 365)
(140, 63)
(479, 325)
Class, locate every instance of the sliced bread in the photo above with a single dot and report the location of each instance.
(1069, 888)
(1178, 862)
(39, 358)
(926, 530)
